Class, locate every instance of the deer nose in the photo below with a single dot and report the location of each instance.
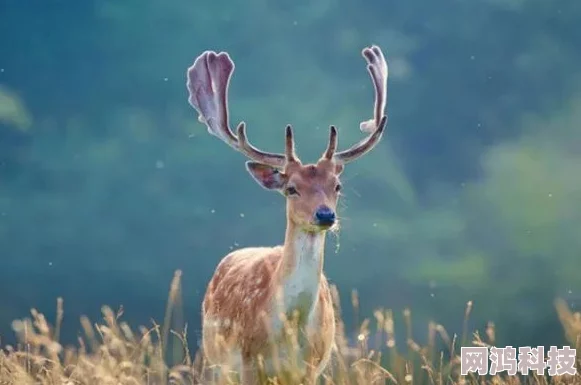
(325, 216)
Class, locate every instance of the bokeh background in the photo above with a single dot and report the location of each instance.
(108, 183)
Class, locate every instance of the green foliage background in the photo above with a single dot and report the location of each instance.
(108, 183)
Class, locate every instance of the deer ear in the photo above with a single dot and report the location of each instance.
(267, 176)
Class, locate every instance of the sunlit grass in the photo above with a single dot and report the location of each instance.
(111, 352)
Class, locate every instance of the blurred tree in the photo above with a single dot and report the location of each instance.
(109, 184)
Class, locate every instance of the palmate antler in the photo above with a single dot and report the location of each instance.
(208, 80)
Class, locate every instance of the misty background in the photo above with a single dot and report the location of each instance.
(108, 184)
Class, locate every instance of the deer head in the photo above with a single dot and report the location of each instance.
(311, 190)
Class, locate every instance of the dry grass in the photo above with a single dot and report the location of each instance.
(112, 353)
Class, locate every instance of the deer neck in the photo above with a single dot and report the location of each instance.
(301, 269)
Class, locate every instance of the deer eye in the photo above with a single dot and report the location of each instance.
(338, 187)
(291, 191)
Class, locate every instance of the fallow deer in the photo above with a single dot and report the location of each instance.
(253, 289)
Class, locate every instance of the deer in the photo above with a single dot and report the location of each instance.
(254, 291)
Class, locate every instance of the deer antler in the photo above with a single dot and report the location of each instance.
(377, 68)
(207, 82)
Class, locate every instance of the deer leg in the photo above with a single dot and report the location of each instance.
(248, 374)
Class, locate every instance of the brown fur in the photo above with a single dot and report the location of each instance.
(242, 294)
(240, 291)
(244, 290)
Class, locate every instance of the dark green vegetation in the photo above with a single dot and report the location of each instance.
(108, 183)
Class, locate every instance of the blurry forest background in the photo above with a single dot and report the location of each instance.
(108, 183)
